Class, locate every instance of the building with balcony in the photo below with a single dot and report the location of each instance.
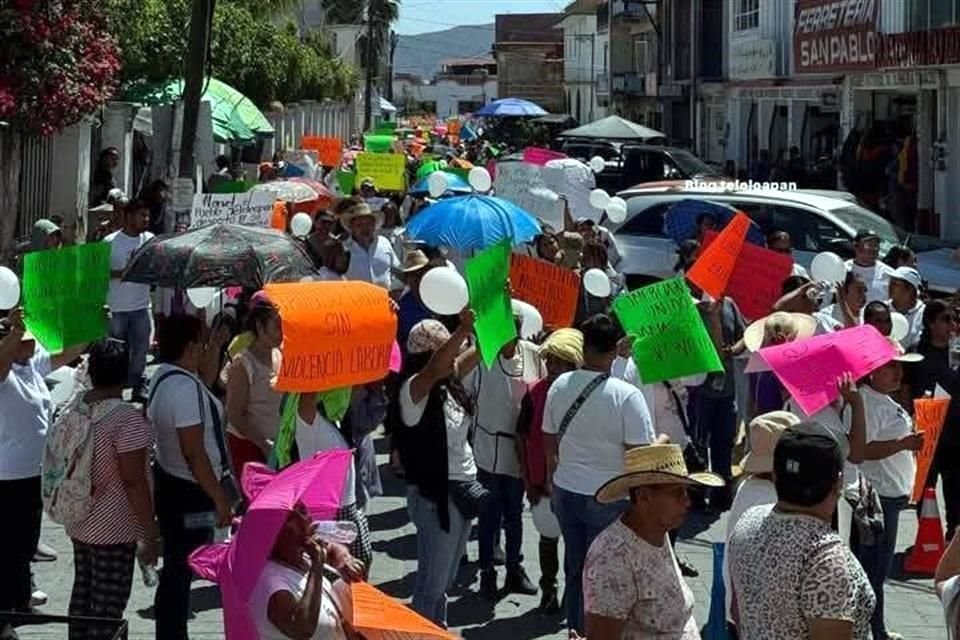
(529, 56)
(583, 57)
(634, 59)
(462, 86)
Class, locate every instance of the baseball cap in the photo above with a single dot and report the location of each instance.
(368, 182)
(866, 234)
(909, 275)
(805, 466)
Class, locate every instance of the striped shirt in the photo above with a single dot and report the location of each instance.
(111, 519)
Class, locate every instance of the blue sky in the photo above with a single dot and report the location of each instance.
(421, 16)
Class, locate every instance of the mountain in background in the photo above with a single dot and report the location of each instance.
(421, 54)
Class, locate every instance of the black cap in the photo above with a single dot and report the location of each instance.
(325, 216)
(866, 234)
(805, 466)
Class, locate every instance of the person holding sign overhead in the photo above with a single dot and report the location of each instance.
(26, 409)
(372, 258)
(129, 302)
(443, 495)
(888, 465)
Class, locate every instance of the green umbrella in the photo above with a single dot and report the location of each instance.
(235, 117)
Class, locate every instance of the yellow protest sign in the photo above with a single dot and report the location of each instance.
(388, 170)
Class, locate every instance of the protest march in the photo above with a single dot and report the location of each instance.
(439, 377)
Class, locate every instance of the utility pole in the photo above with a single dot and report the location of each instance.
(201, 21)
(394, 41)
(694, 70)
(368, 90)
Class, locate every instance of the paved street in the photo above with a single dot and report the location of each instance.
(912, 609)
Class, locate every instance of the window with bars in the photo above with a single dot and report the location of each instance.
(747, 15)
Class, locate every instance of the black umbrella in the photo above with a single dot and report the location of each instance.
(222, 255)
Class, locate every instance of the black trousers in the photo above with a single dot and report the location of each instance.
(186, 518)
(23, 509)
(946, 466)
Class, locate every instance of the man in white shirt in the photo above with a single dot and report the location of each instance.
(874, 273)
(129, 302)
(372, 258)
(589, 422)
(499, 392)
(905, 283)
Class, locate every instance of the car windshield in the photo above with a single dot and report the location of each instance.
(690, 164)
(860, 218)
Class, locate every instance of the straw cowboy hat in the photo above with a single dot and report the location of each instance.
(902, 355)
(653, 464)
(792, 326)
(765, 430)
(414, 260)
(360, 210)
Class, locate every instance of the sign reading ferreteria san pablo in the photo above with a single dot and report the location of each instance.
(835, 35)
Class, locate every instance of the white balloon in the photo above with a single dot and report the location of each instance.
(444, 291)
(200, 297)
(828, 267)
(479, 179)
(9, 289)
(597, 164)
(596, 283)
(900, 326)
(599, 199)
(532, 321)
(437, 184)
(301, 225)
(617, 209)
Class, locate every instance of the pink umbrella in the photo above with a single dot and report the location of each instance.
(236, 565)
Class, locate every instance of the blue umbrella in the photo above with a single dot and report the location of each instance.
(511, 107)
(472, 222)
(455, 184)
(680, 221)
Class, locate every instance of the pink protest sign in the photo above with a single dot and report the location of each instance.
(540, 156)
(809, 369)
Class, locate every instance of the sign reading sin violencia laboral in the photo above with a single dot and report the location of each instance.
(835, 35)
(335, 334)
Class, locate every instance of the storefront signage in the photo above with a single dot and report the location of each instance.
(753, 59)
(784, 93)
(928, 79)
(919, 48)
(835, 35)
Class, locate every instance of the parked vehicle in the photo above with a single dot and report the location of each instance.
(815, 222)
(629, 163)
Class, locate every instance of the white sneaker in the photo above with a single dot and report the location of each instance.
(38, 598)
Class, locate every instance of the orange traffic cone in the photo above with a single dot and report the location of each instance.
(926, 552)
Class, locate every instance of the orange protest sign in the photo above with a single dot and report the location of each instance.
(278, 219)
(712, 270)
(376, 615)
(335, 334)
(551, 289)
(329, 149)
(757, 278)
(930, 414)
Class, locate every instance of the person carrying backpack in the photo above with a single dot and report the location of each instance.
(96, 482)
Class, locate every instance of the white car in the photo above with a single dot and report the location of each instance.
(815, 223)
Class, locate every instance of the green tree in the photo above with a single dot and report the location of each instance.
(262, 60)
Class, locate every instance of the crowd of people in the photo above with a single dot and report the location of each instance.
(561, 421)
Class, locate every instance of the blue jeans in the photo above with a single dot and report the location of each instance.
(438, 554)
(133, 327)
(506, 506)
(581, 519)
(876, 559)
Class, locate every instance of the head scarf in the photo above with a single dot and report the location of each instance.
(427, 336)
(566, 344)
